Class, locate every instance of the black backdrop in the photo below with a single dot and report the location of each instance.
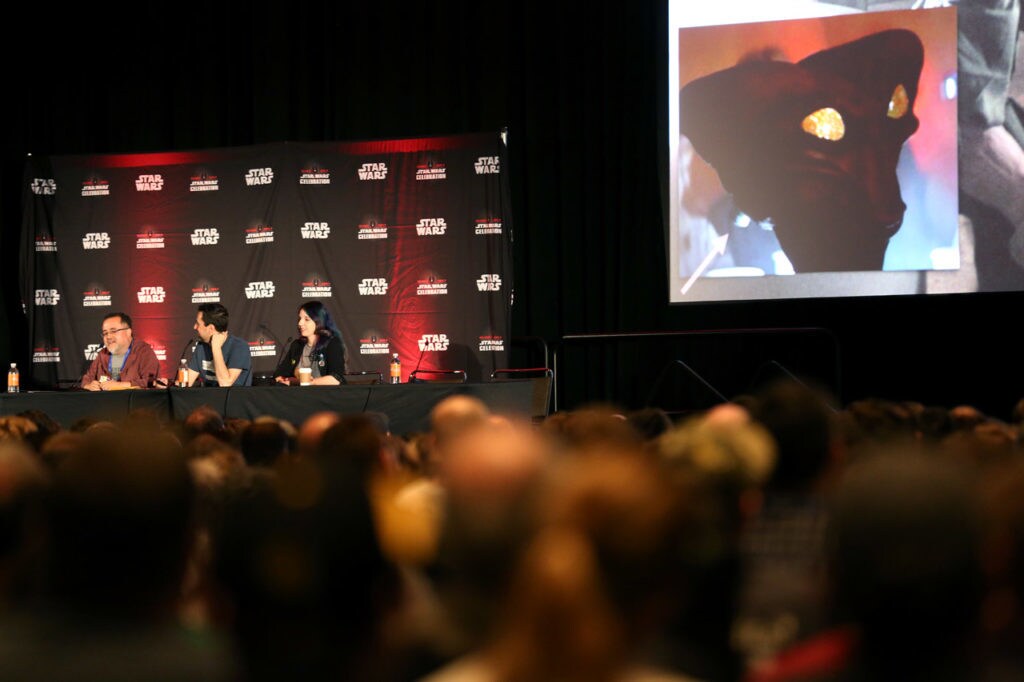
(579, 88)
(405, 241)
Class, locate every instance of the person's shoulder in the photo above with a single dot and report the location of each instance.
(143, 346)
(237, 340)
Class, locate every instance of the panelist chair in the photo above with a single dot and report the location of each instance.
(438, 376)
(542, 379)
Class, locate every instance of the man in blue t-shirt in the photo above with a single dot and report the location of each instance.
(220, 358)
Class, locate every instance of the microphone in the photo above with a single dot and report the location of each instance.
(193, 341)
(270, 332)
(418, 361)
(284, 349)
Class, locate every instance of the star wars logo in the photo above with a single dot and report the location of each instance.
(261, 234)
(489, 283)
(47, 297)
(373, 344)
(259, 290)
(149, 240)
(45, 244)
(314, 176)
(151, 295)
(316, 288)
(373, 286)
(96, 240)
(205, 236)
(203, 183)
(315, 231)
(261, 348)
(373, 230)
(96, 298)
(431, 171)
(95, 188)
(433, 342)
(373, 171)
(492, 343)
(259, 176)
(487, 226)
(44, 186)
(431, 226)
(45, 354)
(149, 182)
(432, 286)
(204, 293)
(91, 351)
(487, 165)
(160, 352)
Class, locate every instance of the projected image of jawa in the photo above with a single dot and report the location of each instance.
(813, 145)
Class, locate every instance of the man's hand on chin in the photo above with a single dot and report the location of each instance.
(218, 339)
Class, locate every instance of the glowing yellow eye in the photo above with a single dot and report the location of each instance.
(898, 103)
(825, 123)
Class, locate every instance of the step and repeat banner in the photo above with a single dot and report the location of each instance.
(406, 242)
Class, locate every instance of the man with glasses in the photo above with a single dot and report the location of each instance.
(123, 362)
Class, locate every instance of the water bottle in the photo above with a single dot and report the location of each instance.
(13, 379)
(396, 369)
(182, 380)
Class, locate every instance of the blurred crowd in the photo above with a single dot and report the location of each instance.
(776, 537)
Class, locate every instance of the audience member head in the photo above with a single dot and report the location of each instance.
(57, 448)
(203, 419)
(984, 444)
(873, 422)
(454, 414)
(723, 463)
(649, 422)
(905, 558)
(23, 482)
(1000, 493)
(17, 429)
(354, 437)
(966, 417)
(590, 586)
(301, 564)
(46, 427)
(233, 429)
(312, 430)
(263, 442)
(592, 428)
(800, 420)
(933, 424)
(728, 414)
(120, 523)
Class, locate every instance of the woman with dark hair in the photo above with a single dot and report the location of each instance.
(319, 348)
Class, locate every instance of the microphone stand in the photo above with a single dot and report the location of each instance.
(280, 355)
(193, 341)
(417, 368)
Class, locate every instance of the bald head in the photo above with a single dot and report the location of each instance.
(312, 431)
(491, 459)
(726, 415)
(455, 414)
